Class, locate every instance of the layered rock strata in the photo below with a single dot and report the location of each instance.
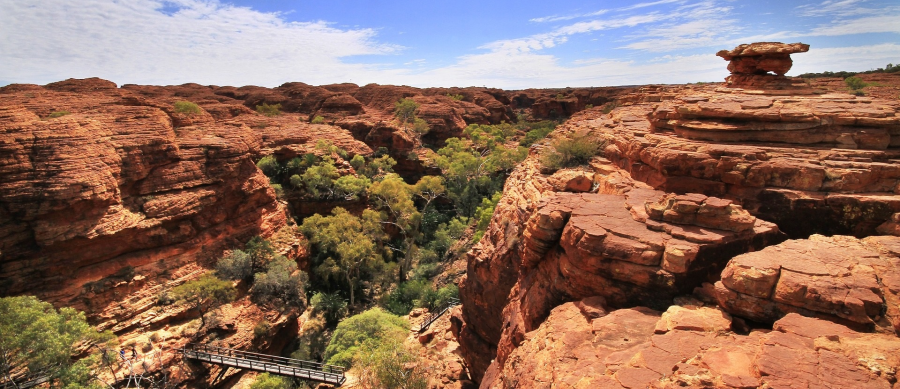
(694, 346)
(751, 64)
(839, 278)
(813, 164)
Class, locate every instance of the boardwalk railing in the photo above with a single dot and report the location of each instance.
(312, 371)
(436, 314)
(25, 384)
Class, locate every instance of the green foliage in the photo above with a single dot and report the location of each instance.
(279, 190)
(588, 106)
(389, 364)
(281, 284)
(455, 97)
(269, 110)
(571, 152)
(235, 265)
(318, 180)
(484, 213)
(327, 148)
(269, 381)
(418, 293)
(56, 114)
(405, 111)
(351, 187)
(262, 328)
(269, 165)
(313, 338)
(331, 306)
(420, 126)
(318, 120)
(204, 294)
(447, 234)
(855, 83)
(536, 131)
(346, 250)
(42, 340)
(187, 108)
(376, 169)
(260, 252)
(373, 327)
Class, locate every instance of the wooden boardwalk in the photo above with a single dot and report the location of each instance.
(288, 367)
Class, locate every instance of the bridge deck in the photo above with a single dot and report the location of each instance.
(312, 371)
(431, 318)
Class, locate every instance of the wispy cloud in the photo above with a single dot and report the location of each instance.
(556, 18)
(645, 5)
(152, 41)
(872, 24)
(835, 8)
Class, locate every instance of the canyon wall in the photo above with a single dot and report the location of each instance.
(694, 193)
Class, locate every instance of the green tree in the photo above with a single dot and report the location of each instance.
(235, 265)
(329, 305)
(405, 111)
(269, 166)
(350, 187)
(281, 284)
(346, 245)
(318, 180)
(374, 325)
(36, 337)
(260, 252)
(484, 213)
(204, 294)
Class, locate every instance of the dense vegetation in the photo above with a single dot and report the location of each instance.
(37, 341)
(889, 68)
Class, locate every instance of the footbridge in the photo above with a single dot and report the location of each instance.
(288, 367)
(432, 317)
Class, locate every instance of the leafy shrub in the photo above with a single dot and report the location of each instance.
(235, 265)
(205, 293)
(279, 191)
(405, 110)
(262, 328)
(855, 83)
(588, 106)
(331, 306)
(536, 131)
(260, 251)
(571, 152)
(187, 108)
(455, 97)
(281, 284)
(269, 110)
(318, 120)
(269, 165)
(390, 364)
(56, 114)
(608, 107)
(406, 296)
(269, 381)
(374, 325)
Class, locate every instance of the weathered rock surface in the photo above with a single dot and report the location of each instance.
(750, 64)
(636, 348)
(838, 278)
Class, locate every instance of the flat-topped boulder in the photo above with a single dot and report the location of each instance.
(750, 64)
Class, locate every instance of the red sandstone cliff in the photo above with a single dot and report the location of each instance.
(741, 169)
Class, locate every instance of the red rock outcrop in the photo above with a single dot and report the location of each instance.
(693, 346)
(691, 177)
(838, 278)
(750, 64)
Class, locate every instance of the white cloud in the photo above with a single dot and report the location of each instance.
(644, 5)
(203, 41)
(835, 8)
(555, 18)
(872, 24)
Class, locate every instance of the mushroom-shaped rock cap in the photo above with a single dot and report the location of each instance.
(763, 48)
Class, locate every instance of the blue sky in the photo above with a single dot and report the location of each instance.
(509, 44)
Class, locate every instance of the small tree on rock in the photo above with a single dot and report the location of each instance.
(204, 294)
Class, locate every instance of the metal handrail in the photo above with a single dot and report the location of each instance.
(431, 318)
(266, 363)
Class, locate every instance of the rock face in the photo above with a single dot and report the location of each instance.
(636, 348)
(839, 278)
(577, 285)
(750, 64)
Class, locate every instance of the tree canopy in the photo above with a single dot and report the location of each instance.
(40, 339)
